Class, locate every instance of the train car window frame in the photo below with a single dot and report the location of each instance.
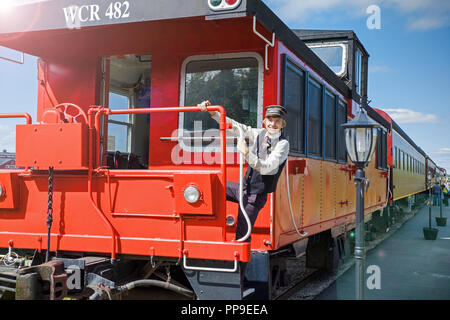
(358, 70)
(381, 158)
(301, 133)
(344, 59)
(402, 160)
(182, 99)
(312, 81)
(326, 124)
(395, 157)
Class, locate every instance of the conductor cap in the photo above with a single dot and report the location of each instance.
(276, 111)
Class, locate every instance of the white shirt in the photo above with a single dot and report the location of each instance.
(279, 148)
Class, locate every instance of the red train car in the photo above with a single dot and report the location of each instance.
(119, 147)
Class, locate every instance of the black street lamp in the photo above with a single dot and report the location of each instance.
(360, 139)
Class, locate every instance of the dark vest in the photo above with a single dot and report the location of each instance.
(256, 183)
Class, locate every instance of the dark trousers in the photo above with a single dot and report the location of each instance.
(252, 203)
(436, 199)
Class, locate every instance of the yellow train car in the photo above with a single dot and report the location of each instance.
(409, 170)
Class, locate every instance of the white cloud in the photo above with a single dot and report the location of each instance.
(443, 151)
(428, 22)
(410, 116)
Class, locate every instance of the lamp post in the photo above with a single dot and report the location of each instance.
(360, 139)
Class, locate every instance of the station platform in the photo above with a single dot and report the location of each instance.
(411, 268)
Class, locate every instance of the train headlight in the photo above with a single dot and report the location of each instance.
(191, 194)
(2, 191)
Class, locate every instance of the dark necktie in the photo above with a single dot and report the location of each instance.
(265, 150)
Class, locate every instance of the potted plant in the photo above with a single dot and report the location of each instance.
(430, 233)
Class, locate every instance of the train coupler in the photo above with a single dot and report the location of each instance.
(46, 281)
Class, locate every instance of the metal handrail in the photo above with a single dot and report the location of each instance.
(241, 182)
(234, 269)
(94, 128)
(18, 115)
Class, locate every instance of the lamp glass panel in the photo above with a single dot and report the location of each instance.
(349, 142)
(363, 141)
(374, 143)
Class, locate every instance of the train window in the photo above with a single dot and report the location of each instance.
(379, 149)
(402, 163)
(396, 158)
(235, 83)
(382, 149)
(403, 160)
(341, 119)
(334, 56)
(129, 88)
(294, 102)
(358, 71)
(330, 126)
(314, 118)
(119, 126)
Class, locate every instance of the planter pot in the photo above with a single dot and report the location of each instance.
(441, 222)
(430, 233)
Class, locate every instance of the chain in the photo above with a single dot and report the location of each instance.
(49, 210)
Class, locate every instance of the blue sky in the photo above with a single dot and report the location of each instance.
(409, 66)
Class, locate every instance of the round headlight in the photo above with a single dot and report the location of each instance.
(191, 194)
(2, 190)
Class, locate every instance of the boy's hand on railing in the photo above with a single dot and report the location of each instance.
(203, 106)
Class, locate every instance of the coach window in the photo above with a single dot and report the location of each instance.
(294, 102)
(232, 81)
(358, 71)
(341, 119)
(396, 158)
(401, 164)
(314, 118)
(379, 149)
(382, 149)
(333, 54)
(330, 126)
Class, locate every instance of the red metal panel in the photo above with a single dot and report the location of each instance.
(63, 146)
(9, 197)
(203, 182)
